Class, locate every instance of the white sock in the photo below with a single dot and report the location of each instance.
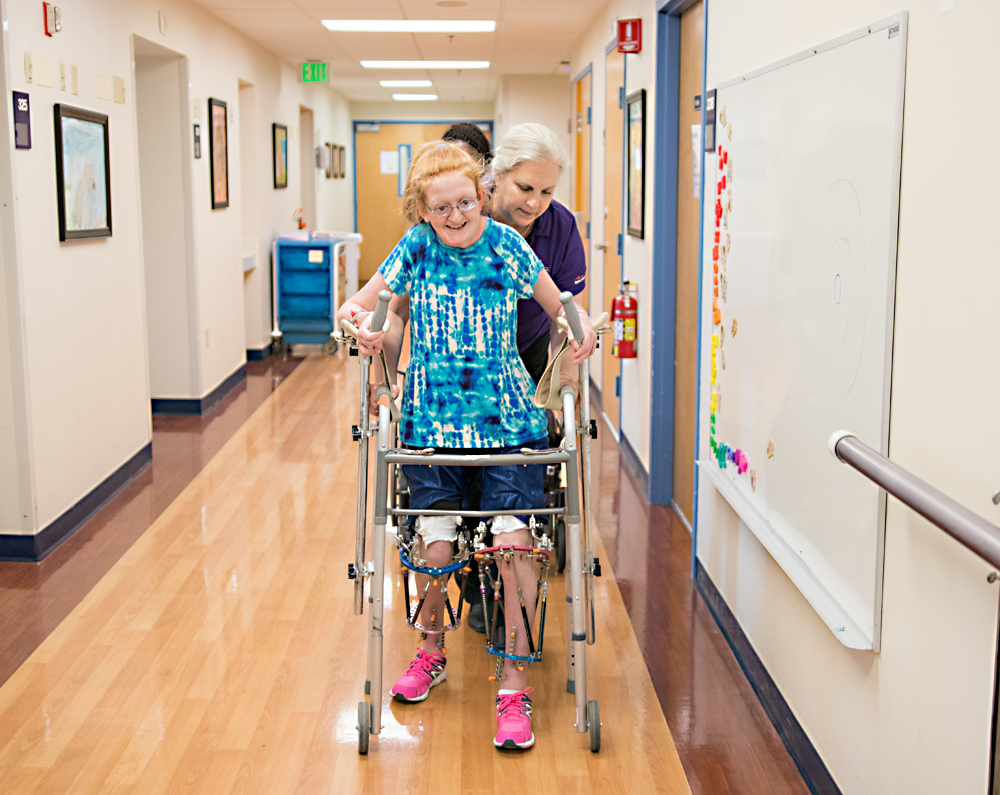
(505, 692)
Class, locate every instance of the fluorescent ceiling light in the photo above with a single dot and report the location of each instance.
(410, 25)
(405, 83)
(426, 64)
(415, 97)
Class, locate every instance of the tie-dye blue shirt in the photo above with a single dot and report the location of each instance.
(465, 385)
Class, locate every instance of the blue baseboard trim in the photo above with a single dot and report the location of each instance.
(36, 547)
(800, 748)
(630, 458)
(196, 406)
(260, 354)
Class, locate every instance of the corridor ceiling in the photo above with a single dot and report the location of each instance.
(531, 38)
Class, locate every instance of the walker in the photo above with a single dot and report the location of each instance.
(574, 452)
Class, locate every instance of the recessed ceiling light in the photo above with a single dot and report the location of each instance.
(426, 64)
(414, 97)
(405, 83)
(411, 25)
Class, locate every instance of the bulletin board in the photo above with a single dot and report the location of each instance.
(798, 299)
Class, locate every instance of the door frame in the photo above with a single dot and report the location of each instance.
(621, 234)
(667, 116)
(354, 148)
(588, 70)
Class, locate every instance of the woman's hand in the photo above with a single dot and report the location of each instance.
(584, 348)
(373, 399)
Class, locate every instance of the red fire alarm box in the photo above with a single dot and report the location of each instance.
(629, 35)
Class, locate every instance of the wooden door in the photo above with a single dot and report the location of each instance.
(380, 207)
(688, 219)
(614, 70)
(581, 169)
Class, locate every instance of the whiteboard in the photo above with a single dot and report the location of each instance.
(806, 271)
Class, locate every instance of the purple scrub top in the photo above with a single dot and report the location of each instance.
(556, 241)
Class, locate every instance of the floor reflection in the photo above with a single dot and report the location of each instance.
(36, 597)
(725, 741)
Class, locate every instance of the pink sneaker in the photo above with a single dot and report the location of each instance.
(514, 720)
(425, 671)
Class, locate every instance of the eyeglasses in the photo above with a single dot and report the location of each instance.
(444, 210)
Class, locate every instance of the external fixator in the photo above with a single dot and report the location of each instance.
(427, 579)
(493, 563)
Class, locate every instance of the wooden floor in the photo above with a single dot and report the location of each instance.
(220, 653)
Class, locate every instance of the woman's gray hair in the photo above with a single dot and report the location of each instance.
(528, 143)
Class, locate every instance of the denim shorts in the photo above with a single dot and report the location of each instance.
(503, 487)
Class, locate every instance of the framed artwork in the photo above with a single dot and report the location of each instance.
(343, 163)
(83, 173)
(218, 153)
(279, 140)
(329, 160)
(636, 148)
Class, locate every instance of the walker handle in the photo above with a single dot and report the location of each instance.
(572, 316)
(381, 310)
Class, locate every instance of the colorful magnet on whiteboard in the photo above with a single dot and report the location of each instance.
(715, 305)
(717, 237)
(715, 341)
(723, 180)
(712, 418)
(720, 164)
(717, 317)
(715, 280)
(720, 150)
(717, 222)
(713, 403)
(715, 267)
(725, 158)
(718, 188)
(715, 252)
(716, 292)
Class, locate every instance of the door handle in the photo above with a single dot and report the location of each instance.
(601, 246)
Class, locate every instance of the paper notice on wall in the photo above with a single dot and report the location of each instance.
(389, 162)
(696, 158)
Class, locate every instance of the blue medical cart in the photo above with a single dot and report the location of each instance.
(304, 291)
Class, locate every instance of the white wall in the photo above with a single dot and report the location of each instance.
(84, 394)
(422, 111)
(172, 373)
(915, 718)
(543, 99)
(9, 475)
(638, 254)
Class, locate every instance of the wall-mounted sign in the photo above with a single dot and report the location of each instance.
(630, 35)
(197, 141)
(313, 72)
(22, 121)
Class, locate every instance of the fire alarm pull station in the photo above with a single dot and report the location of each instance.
(630, 35)
(53, 18)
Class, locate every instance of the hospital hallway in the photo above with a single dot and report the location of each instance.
(197, 635)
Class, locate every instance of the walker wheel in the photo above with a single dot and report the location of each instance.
(365, 726)
(594, 723)
(330, 347)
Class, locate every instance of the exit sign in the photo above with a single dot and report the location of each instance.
(313, 72)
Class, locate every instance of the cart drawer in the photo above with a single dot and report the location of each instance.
(305, 282)
(304, 305)
(304, 257)
(298, 325)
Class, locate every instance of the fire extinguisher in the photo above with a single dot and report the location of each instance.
(625, 317)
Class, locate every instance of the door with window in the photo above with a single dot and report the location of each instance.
(614, 70)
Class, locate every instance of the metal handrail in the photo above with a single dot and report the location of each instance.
(965, 526)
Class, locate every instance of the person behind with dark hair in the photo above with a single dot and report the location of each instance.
(472, 139)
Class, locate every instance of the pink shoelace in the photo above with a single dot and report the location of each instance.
(427, 664)
(516, 701)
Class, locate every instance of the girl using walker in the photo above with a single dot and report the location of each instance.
(466, 390)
